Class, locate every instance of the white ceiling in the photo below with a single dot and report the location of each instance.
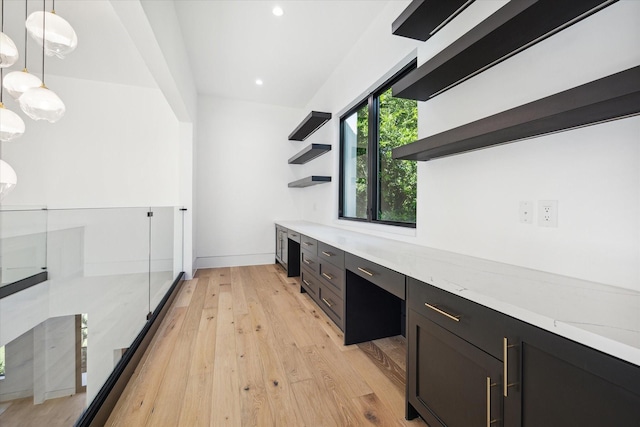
(232, 43)
(105, 51)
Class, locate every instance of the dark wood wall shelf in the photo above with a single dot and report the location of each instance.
(309, 181)
(309, 153)
(511, 29)
(309, 125)
(611, 97)
(423, 18)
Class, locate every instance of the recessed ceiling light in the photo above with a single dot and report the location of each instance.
(259, 82)
(278, 11)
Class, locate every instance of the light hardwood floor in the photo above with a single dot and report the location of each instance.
(61, 412)
(242, 347)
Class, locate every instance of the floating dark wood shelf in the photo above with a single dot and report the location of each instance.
(309, 181)
(423, 18)
(309, 153)
(511, 29)
(309, 125)
(611, 97)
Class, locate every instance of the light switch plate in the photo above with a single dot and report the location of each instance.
(526, 212)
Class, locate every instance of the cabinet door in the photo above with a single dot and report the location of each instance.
(455, 383)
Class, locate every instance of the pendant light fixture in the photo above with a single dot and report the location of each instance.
(8, 179)
(8, 50)
(11, 125)
(59, 39)
(18, 82)
(41, 103)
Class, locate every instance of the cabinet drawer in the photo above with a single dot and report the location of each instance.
(309, 282)
(309, 260)
(333, 255)
(293, 235)
(472, 322)
(389, 280)
(309, 244)
(331, 304)
(332, 274)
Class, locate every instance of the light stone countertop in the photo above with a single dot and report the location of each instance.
(600, 316)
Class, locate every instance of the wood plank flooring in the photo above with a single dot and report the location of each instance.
(242, 346)
(60, 412)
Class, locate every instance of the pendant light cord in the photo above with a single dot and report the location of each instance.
(2, 69)
(44, 11)
(26, 15)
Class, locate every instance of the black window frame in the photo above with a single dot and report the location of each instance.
(373, 153)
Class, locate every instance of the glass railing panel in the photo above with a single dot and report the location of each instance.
(23, 243)
(107, 271)
(166, 245)
(98, 266)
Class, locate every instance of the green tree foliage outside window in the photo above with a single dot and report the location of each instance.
(395, 122)
(398, 125)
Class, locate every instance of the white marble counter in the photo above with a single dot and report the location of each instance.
(600, 316)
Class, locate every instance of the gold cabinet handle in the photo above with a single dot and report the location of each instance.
(444, 313)
(328, 276)
(306, 283)
(307, 262)
(327, 253)
(489, 385)
(505, 358)
(368, 273)
(307, 243)
(327, 302)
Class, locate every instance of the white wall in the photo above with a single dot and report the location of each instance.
(469, 203)
(241, 181)
(18, 381)
(116, 145)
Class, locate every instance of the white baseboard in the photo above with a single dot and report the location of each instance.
(234, 260)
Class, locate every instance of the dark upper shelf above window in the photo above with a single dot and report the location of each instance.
(309, 125)
(423, 18)
(309, 181)
(611, 97)
(309, 153)
(511, 29)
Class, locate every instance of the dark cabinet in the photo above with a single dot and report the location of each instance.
(288, 251)
(455, 383)
(557, 382)
(471, 366)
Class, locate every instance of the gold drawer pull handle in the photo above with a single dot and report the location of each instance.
(505, 357)
(305, 282)
(489, 385)
(328, 276)
(444, 313)
(330, 304)
(368, 273)
(307, 262)
(307, 243)
(327, 253)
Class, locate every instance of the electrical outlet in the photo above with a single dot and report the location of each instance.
(526, 212)
(548, 213)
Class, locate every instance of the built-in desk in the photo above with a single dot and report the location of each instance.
(600, 316)
(510, 345)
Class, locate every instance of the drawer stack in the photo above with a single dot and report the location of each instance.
(322, 276)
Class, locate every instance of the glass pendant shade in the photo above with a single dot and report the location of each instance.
(40, 103)
(11, 125)
(8, 179)
(8, 51)
(59, 37)
(18, 82)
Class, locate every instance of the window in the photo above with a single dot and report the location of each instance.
(373, 186)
